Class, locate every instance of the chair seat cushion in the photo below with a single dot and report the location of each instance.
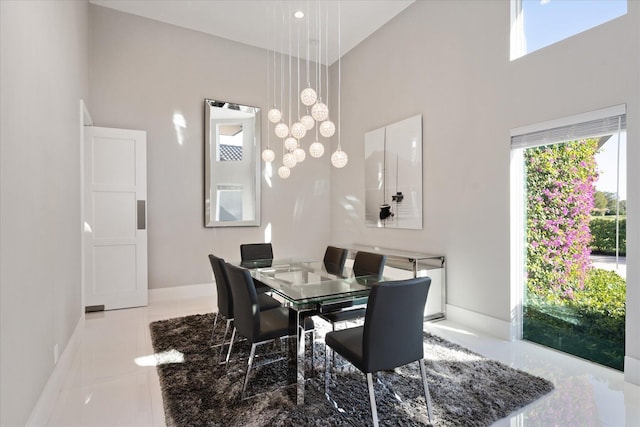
(344, 315)
(267, 303)
(348, 344)
(275, 323)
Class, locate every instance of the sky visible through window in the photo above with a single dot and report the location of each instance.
(549, 21)
(607, 160)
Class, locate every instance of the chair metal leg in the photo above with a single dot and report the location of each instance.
(327, 369)
(233, 336)
(224, 338)
(213, 330)
(249, 364)
(427, 396)
(372, 400)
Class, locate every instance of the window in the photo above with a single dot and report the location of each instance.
(539, 23)
(569, 233)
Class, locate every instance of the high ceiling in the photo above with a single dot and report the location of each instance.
(266, 23)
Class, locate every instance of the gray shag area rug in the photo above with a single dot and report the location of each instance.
(466, 388)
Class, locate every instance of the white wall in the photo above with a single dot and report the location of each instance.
(43, 76)
(449, 61)
(142, 73)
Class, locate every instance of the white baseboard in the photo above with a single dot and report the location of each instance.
(43, 409)
(632, 370)
(481, 322)
(180, 292)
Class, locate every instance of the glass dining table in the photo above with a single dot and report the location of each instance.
(309, 289)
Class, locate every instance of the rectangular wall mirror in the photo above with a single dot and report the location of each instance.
(393, 175)
(232, 164)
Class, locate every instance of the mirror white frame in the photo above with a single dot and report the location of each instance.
(231, 164)
(393, 175)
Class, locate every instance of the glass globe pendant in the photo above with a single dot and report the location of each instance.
(274, 115)
(320, 111)
(316, 149)
(308, 96)
(298, 130)
(284, 172)
(339, 158)
(327, 128)
(282, 130)
(268, 155)
(299, 154)
(290, 143)
(308, 122)
(289, 160)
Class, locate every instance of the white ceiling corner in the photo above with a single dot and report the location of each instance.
(259, 23)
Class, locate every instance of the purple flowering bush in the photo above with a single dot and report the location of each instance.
(560, 196)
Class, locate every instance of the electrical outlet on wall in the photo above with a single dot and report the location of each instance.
(55, 354)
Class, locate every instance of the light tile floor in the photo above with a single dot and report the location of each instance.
(107, 388)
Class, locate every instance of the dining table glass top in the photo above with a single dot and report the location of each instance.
(302, 281)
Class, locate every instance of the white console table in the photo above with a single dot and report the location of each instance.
(404, 264)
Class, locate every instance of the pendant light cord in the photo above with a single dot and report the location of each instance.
(326, 53)
(339, 77)
(298, 91)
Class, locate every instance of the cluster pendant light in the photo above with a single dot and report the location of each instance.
(314, 113)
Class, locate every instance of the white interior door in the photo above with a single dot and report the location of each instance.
(115, 220)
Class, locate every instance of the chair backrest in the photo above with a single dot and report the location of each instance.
(246, 310)
(256, 251)
(225, 299)
(393, 323)
(334, 259)
(369, 264)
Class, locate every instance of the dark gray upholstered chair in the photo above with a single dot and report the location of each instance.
(390, 337)
(225, 299)
(365, 264)
(256, 252)
(334, 259)
(253, 255)
(368, 264)
(257, 326)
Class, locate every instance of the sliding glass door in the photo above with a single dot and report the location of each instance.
(574, 245)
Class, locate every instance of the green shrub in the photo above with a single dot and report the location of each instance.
(603, 232)
(602, 304)
(591, 325)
